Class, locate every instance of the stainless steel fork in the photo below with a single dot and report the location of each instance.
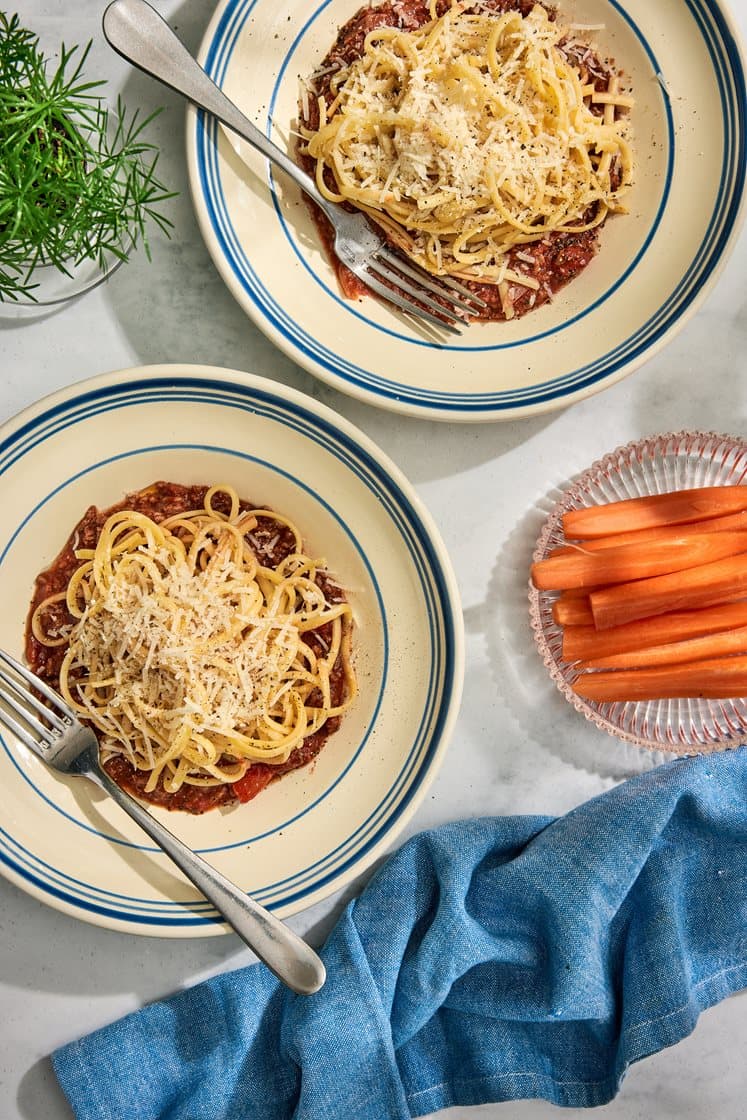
(51, 730)
(136, 31)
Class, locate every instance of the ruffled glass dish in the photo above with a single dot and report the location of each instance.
(663, 463)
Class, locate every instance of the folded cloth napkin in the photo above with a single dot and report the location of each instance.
(488, 960)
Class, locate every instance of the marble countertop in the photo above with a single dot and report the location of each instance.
(528, 751)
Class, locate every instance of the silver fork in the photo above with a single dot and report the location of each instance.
(136, 31)
(51, 730)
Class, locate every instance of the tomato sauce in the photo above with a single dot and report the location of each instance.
(271, 541)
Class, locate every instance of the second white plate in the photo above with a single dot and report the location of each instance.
(68, 844)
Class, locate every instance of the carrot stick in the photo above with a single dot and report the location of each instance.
(676, 508)
(703, 586)
(581, 643)
(675, 653)
(729, 523)
(574, 611)
(631, 562)
(717, 679)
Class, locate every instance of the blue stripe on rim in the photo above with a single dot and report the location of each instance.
(727, 67)
(441, 621)
(26, 858)
(103, 911)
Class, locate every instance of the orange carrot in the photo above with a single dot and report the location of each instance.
(582, 643)
(716, 679)
(675, 653)
(676, 508)
(729, 523)
(573, 611)
(631, 562)
(703, 586)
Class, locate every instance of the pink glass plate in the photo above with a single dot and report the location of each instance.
(663, 463)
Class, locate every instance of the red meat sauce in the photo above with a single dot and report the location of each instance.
(272, 541)
(557, 259)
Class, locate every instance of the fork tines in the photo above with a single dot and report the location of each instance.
(24, 704)
(455, 302)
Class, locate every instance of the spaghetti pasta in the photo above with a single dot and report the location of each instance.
(195, 654)
(472, 137)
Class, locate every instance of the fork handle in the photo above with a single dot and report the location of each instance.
(137, 32)
(284, 952)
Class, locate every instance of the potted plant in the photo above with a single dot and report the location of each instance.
(78, 181)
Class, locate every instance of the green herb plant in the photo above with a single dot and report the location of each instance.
(77, 181)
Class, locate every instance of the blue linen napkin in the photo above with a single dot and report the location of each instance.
(487, 960)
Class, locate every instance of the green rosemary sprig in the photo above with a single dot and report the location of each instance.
(77, 181)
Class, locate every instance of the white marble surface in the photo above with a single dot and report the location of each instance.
(517, 746)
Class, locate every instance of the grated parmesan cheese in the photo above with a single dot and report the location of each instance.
(472, 133)
(187, 655)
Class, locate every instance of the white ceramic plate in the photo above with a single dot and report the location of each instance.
(64, 841)
(654, 267)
